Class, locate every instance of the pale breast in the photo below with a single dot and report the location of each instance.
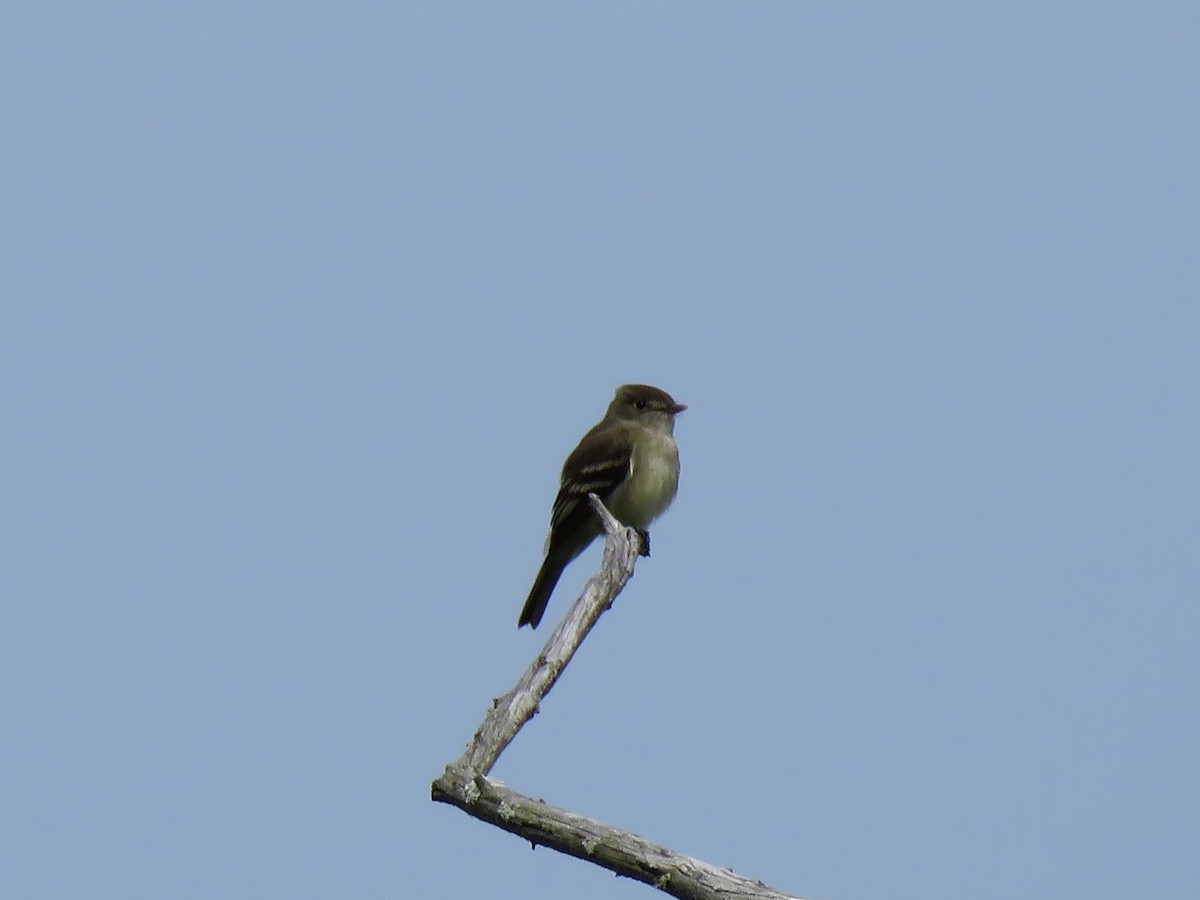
(652, 482)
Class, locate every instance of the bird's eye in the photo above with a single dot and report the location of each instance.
(640, 404)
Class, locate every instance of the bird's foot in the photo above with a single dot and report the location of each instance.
(644, 550)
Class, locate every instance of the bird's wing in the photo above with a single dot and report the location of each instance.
(597, 466)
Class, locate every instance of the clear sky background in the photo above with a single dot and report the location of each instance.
(304, 304)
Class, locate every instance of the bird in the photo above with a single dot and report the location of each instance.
(630, 460)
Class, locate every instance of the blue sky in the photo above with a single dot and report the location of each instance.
(306, 303)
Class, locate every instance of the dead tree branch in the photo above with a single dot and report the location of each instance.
(465, 784)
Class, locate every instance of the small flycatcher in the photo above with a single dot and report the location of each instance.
(630, 461)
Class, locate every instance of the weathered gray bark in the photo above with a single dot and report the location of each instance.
(465, 783)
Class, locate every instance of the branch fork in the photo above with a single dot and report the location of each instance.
(465, 782)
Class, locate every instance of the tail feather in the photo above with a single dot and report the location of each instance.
(539, 594)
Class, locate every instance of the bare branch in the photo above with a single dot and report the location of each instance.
(518, 706)
(465, 783)
(618, 851)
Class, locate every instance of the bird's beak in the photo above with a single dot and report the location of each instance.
(677, 408)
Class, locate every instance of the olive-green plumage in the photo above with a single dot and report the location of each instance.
(630, 461)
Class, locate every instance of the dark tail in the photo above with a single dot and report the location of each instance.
(539, 594)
